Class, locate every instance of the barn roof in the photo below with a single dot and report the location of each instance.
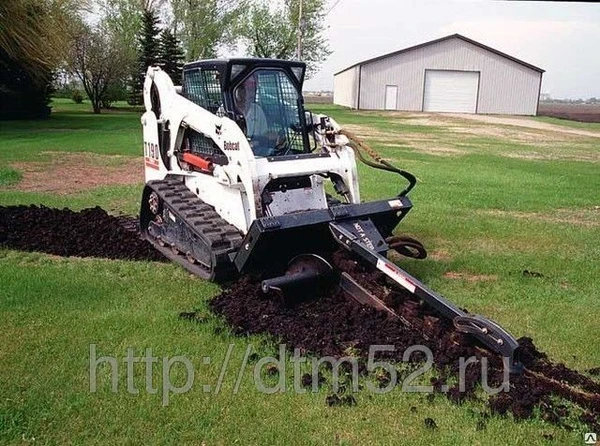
(452, 36)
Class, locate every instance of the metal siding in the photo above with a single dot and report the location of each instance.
(506, 87)
(345, 88)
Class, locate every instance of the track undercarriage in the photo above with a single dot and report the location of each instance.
(187, 230)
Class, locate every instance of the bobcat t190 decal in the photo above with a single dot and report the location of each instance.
(151, 155)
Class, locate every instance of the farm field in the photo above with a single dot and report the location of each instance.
(493, 201)
(574, 112)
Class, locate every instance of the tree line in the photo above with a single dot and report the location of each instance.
(105, 46)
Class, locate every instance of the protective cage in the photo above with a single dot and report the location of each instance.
(211, 84)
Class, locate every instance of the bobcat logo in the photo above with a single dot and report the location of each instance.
(219, 129)
(231, 145)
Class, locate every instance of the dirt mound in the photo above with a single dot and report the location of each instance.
(334, 325)
(88, 233)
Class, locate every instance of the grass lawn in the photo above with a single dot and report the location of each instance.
(487, 204)
(72, 128)
(568, 123)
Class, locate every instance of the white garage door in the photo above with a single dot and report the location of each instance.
(451, 91)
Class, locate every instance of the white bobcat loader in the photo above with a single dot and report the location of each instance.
(236, 172)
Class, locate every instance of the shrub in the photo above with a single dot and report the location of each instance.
(77, 97)
(116, 91)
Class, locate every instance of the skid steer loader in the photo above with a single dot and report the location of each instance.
(236, 173)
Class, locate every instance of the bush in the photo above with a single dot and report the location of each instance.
(116, 91)
(63, 92)
(65, 88)
(135, 99)
(77, 97)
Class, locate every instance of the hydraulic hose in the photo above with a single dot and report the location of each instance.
(357, 144)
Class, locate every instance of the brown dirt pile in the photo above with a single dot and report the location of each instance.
(332, 324)
(88, 233)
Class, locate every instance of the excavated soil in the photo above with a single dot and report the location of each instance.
(331, 325)
(88, 233)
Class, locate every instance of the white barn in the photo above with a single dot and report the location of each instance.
(451, 74)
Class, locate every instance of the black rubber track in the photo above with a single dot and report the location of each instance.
(203, 224)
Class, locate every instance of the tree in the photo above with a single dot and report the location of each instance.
(171, 55)
(34, 36)
(23, 95)
(268, 33)
(148, 53)
(98, 61)
(148, 40)
(205, 25)
(36, 33)
(272, 31)
(123, 19)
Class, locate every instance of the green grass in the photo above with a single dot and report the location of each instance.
(592, 126)
(469, 206)
(373, 119)
(114, 199)
(73, 128)
(9, 177)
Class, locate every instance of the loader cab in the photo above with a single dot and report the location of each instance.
(264, 97)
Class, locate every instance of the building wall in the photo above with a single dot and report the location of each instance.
(345, 88)
(505, 86)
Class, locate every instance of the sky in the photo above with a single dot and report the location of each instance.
(561, 38)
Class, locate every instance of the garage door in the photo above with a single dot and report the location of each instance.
(451, 91)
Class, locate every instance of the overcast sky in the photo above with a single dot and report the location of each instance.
(561, 38)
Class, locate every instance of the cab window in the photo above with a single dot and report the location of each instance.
(269, 102)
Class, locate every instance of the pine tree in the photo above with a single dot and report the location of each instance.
(148, 53)
(171, 55)
(23, 95)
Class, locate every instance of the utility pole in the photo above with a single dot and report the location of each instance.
(300, 32)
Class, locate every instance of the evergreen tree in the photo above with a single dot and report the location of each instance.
(23, 95)
(33, 36)
(148, 53)
(171, 55)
